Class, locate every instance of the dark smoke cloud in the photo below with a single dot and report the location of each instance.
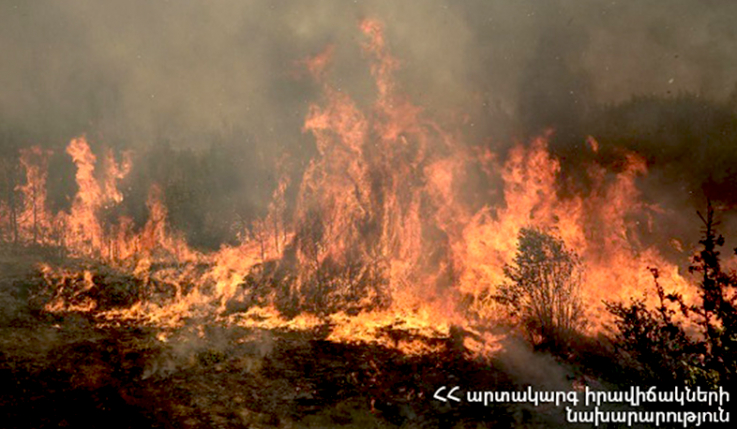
(185, 74)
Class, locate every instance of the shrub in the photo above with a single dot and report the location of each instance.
(543, 288)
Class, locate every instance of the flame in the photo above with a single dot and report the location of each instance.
(381, 239)
(84, 230)
(69, 289)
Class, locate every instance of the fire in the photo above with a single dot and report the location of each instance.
(81, 231)
(34, 222)
(380, 238)
(85, 232)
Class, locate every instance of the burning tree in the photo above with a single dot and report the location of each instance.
(543, 288)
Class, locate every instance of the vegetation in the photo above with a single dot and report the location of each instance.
(543, 288)
(658, 346)
(672, 343)
(653, 344)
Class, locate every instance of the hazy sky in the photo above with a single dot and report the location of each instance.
(139, 70)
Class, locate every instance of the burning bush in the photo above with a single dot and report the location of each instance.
(543, 288)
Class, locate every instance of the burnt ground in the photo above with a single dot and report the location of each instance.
(103, 377)
(64, 370)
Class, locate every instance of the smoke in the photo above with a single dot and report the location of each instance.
(210, 345)
(142, 70)
(189, 75)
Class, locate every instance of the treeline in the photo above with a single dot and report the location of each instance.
(687, 141)
(212, 191)
(211, 194)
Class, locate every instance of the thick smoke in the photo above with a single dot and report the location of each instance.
(173, 80)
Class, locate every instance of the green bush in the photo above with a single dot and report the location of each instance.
(543, 288)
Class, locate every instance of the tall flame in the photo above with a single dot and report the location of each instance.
(380, 235)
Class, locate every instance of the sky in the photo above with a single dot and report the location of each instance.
(137, 72)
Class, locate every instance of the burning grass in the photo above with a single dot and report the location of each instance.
(347, 306)
(67, 367)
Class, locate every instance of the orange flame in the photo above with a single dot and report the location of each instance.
(380, 237)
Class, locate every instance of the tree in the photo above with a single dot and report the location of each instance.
(717, 312)
(543, 288)
(9, 182)
(659, 345)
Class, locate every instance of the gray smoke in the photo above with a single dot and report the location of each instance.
(145, 74)
(142, 70)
